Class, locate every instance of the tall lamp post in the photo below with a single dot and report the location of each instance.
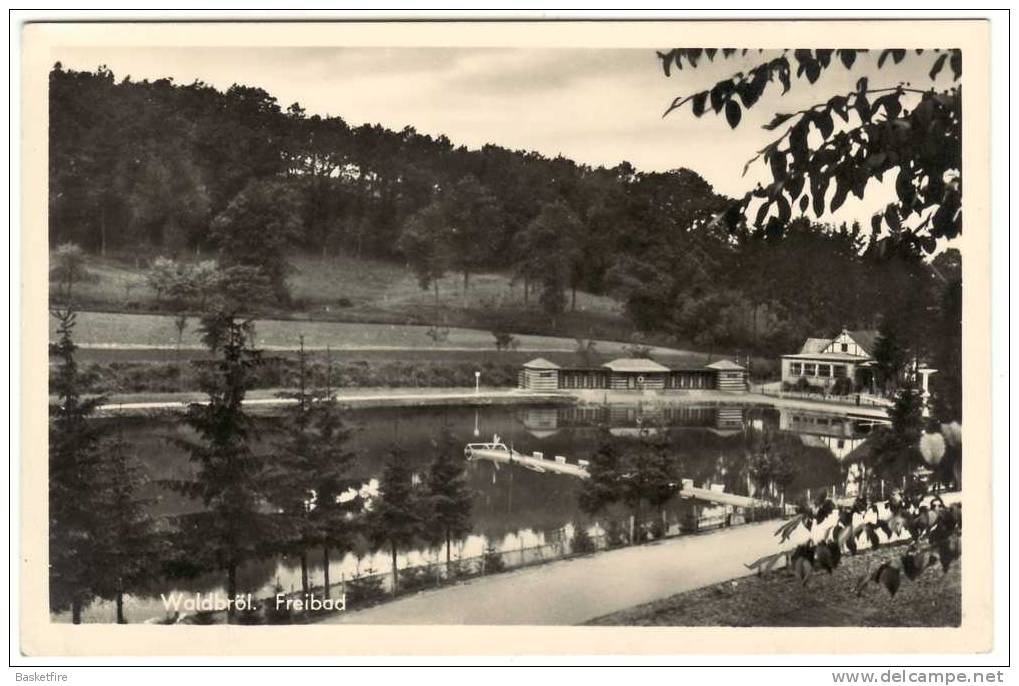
(477, 382)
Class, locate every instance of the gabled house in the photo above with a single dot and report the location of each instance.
(823, 361)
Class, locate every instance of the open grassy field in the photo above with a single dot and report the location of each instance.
(779, 599)
(338, 283)
(376, 291)
(127, 330)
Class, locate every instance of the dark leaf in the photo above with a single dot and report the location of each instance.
(718, 94)
(818, 190)
(699, 101)
(802, 567)
(804, 203)
(938, 64)
(949, 551)
(732, 113)
(956, 64)
(841, 191)
(777, 162)
(824, 124)
(666, 58)
(890, 577)
(784, 211)
(823, 557)
(783, 76)
(848, 57)
(777, 121)
(904, 186)
(813, 71)
(872, 536)
(863, 109)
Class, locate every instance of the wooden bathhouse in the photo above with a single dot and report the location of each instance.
(631, 374)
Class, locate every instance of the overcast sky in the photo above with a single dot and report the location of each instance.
(596, 106)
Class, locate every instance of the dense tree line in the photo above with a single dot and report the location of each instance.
(188, 169)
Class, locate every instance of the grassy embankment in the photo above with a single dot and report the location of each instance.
(376, 291)
(372, 313)
(779, 599)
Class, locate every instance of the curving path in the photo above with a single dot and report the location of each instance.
(573, 591)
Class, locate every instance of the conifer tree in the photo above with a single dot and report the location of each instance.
(448, 494)
(130, 545)
(310, 473)
(397, 514)
(231, 480)
(338, 519)
(75, 482)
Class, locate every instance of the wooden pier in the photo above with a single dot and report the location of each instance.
(499, 453)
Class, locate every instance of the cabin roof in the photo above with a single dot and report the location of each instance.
(814, 345)
(726, 365)
(635, 364)
(865, 338)
(540, 363)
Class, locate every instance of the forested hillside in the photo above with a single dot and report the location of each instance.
(188, 172)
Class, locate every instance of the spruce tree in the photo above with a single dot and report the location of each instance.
(397, 514)
(130, 546)
(231, 480)
(310, 472)
(337, 520)
(75, 482)
(448, 495)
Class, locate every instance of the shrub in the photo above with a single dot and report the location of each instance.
(842, 386)
(366, 588)
(492, 561)
(461, 569)
(658, 529)
(638, 350)
(615, 534)
(416, 578)
(505, 340)
(582, 541)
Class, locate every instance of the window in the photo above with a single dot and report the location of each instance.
(795, 368)
(845, 347)
(839, 371)
(824, 370)
(810, 369)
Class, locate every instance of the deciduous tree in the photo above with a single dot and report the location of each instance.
(900, 131)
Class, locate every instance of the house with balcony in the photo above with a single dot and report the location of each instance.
(821, 362)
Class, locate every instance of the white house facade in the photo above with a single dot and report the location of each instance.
(823, 361)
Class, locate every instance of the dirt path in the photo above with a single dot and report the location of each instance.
(356, 398)
(574, 591)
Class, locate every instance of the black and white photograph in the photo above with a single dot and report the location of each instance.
(477, 334)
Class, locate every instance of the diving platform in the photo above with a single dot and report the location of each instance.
(498, 452)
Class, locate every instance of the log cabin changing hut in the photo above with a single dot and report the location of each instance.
(631, 374)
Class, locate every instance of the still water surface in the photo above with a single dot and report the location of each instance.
(512, 507)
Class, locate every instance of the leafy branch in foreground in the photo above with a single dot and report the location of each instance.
(934, 531)
(843, 143)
